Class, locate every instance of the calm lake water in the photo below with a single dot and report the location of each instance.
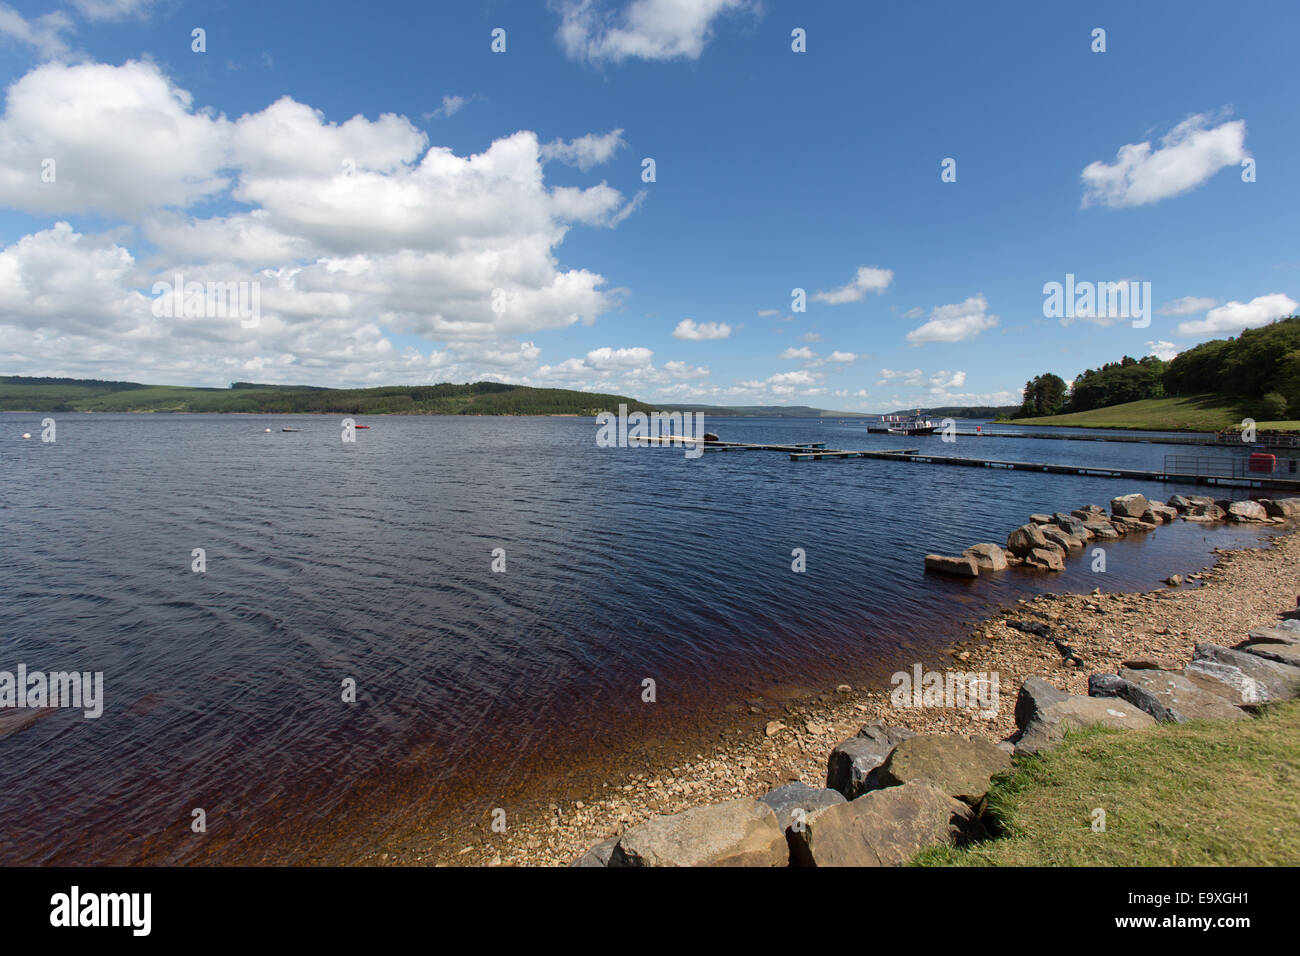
(372, 561)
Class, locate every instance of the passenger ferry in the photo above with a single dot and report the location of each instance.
(904, 425)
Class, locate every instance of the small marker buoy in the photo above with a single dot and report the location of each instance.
(27, 434)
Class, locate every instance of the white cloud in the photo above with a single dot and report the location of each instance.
(608, 358)
(348, 228)
(44, 34)
(1187, 305)
(111, 9)
(768, 313)
(955, 323)
(585, 151)
(1236, 316)
(843, 357)
(810, 337)
(645, 29)
(451, 105)
(692, 331)
(798, 353)
(945, 380)
(868, 279)
(1162, 350)
(906, 378)
(1189, 154)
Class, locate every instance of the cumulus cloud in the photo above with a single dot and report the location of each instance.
(1189, 154)
(888, 375)
(693, 331)
(1236, 316)
(644, 29)
(1187, 305)
(955, 323)
(946, 380)
(798, 353)
(843, 357)
(868, 279)
(451, 105)
(810, 337)
(1162, 350)
(353, 230)
(111, 9)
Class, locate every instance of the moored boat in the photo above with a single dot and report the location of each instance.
(903, 425)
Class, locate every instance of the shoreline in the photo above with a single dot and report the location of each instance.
(1244, 588)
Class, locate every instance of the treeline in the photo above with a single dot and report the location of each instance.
(1259, 369)
(478, 398)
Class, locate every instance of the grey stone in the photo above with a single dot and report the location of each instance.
(1050, 726)
(1257, 680)
(1130, 506)
(598, 855)
(989, 557)
(849, 767)
(785, 800)
(1070, 524)
(959, 766)
(1025, 539)
(1035, 694)
(1282, 507)
(1274, 635)
(1112, 685)
(963, 567)
(1182, 697)
(1272, 651)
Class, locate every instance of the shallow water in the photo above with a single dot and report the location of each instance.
(371, 561)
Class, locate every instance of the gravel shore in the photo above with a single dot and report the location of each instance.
(1245, 588)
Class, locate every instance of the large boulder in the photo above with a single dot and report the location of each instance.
(959, 766)
(1040, 519)
(1049, 727)
(741, 832)
(851, 763)
(1125, 525)
(1025, 539)
(883, 828)
(1250, 678)
(989, 557)
(789, 800)
(1035, 694)
(1056, 536)
(1282, 507)
(1130, 506)
(1196, 503)
(1102, 529)
(1165, 513)
(1273, 635)
(1271, 651)
(1070, 524)
(1165, 695)
(1246, 510)
(963, 567)
(1049, 559)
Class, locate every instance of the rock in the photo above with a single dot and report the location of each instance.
(1025, 539)
(785, 800)
(1174, 580)
(1271, 651)
(883, 828)
(850, 765)
(740, 832)
(959, 766)
(1036, 628)
(1190, 502)
(963, 567)
(1070, 524)
(1273, 635)
(1253, 679)
(710, 436)
(1097, 510)
(1040, 519)
(1049, 727)
(1101, 528)
(1056, 536)
(1141, 664)
(1112, 685)
(1132, 524)
(1246, 511)
(1130, 506)
(1047, 559)
(598, 855)
(773, 728)
(1182, 698)
(989, 557)
(1035, 694)
(1164, 512)
(1282, 507)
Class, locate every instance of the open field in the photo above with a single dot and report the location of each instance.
(1199, 413)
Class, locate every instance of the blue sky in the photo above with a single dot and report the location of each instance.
(414, 207)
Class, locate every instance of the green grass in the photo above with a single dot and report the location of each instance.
(1209, 793)
(1198, 413)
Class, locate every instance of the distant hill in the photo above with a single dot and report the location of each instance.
(19, 394)
(763, 411)
(962, 411)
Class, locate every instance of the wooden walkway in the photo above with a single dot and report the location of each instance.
(1206, 440)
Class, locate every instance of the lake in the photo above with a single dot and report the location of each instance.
(371, 562)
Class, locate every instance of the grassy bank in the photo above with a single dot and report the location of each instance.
(1199, 413)
(1209, 793)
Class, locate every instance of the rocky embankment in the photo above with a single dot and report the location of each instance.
(915, 777)
(1047, 540)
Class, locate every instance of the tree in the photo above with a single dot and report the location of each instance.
(1044, 395)
(1272, 407)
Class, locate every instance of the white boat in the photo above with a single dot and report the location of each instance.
(904, 425)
